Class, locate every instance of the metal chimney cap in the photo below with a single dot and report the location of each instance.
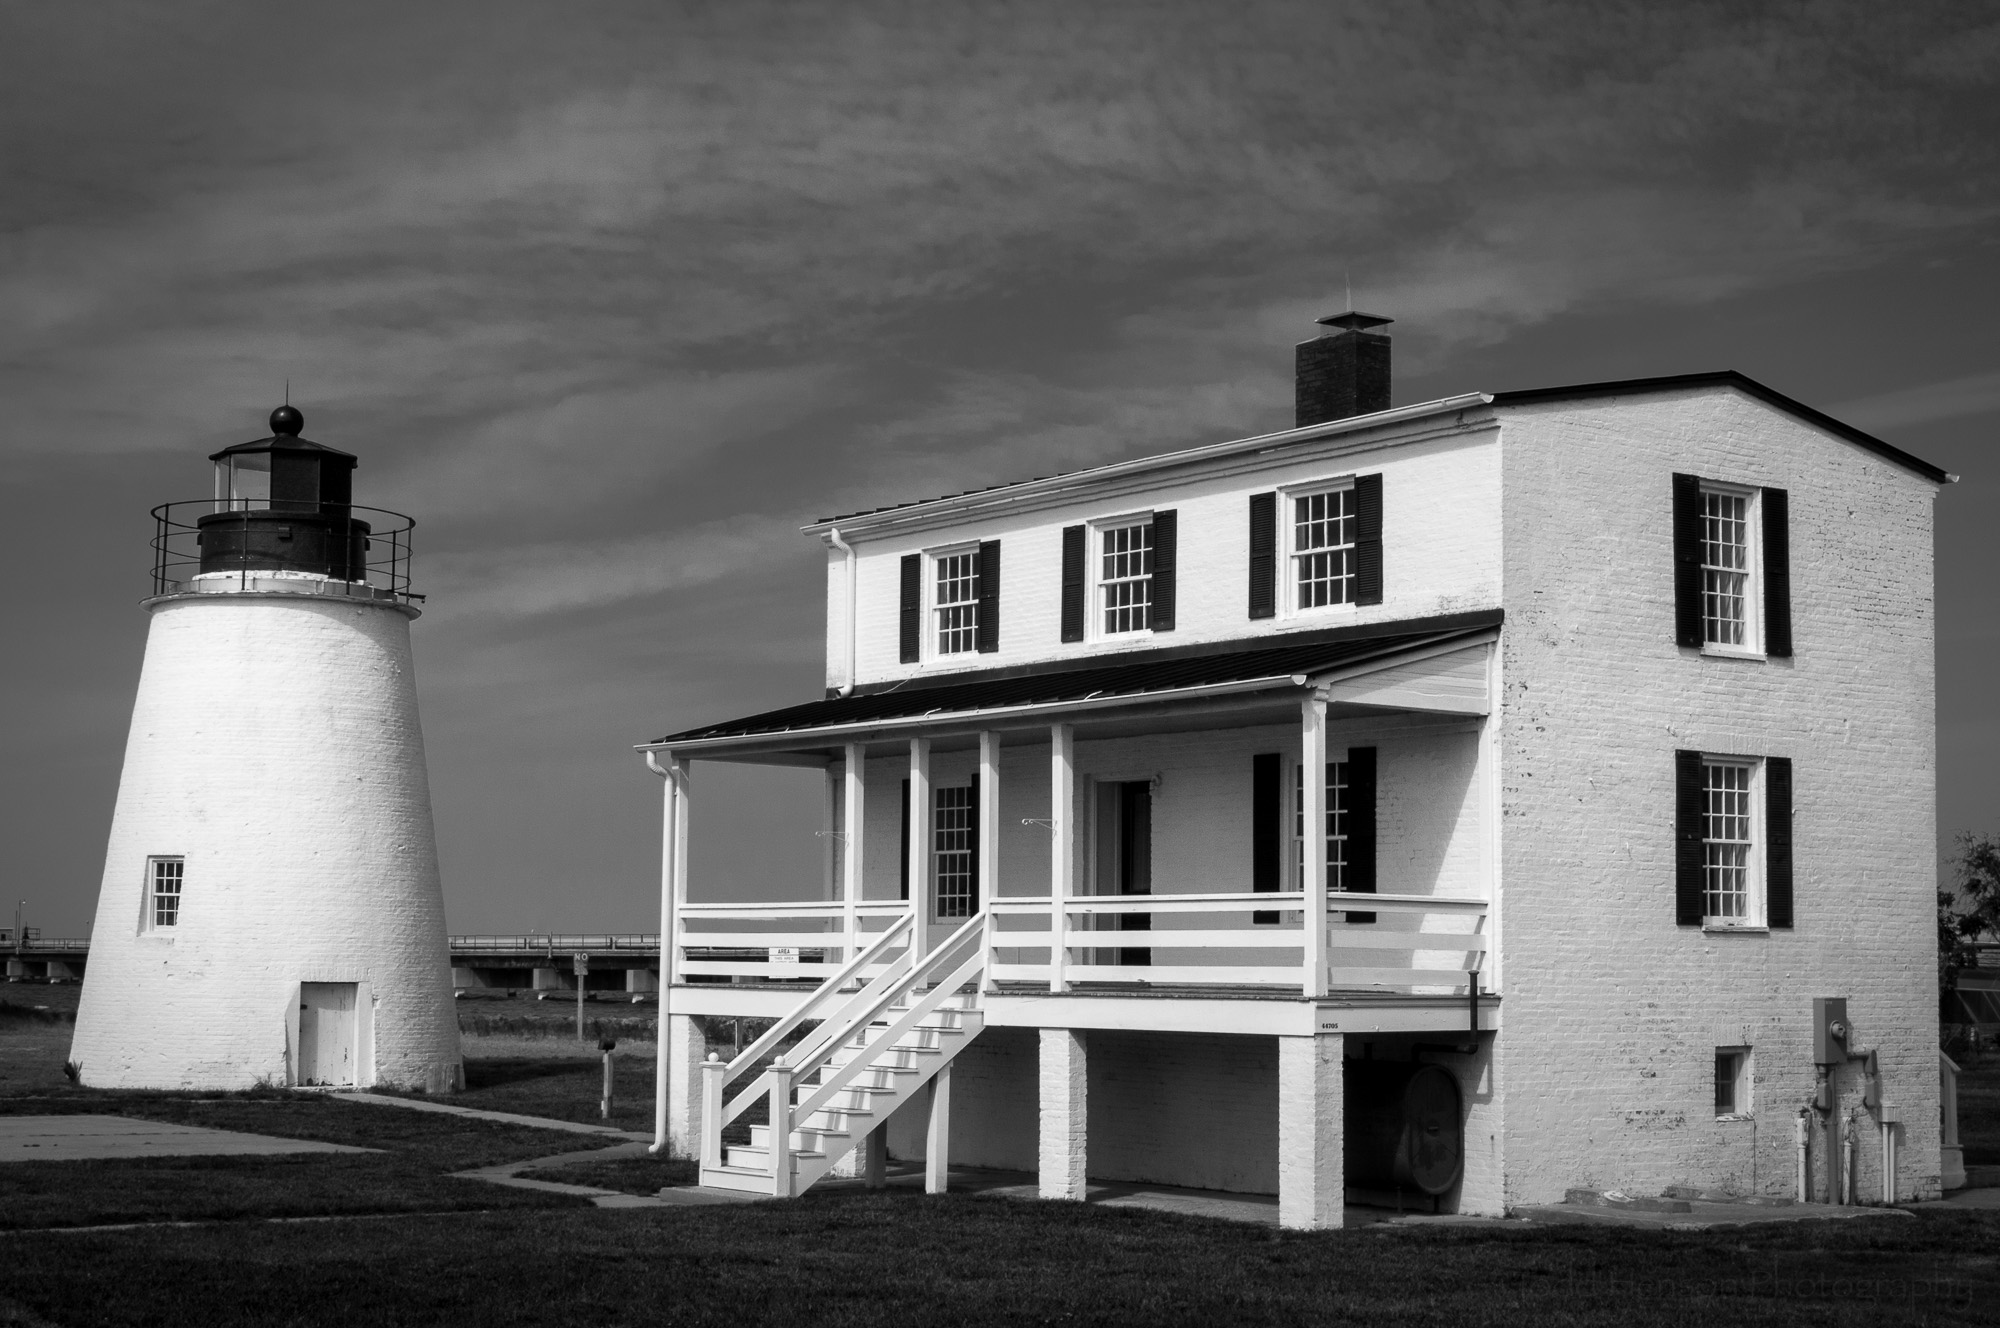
(1353, 322)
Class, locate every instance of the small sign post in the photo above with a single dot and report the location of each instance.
(582, 971)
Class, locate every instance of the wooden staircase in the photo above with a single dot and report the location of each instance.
(873, 1050)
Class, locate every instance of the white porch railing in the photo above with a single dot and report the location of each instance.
(1418, 943)
(767, 942)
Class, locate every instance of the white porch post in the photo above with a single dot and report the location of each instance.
(1062, 845)
(1065, 1114)
(1313, 762)
(1311, 1179)
(988, 879)
(919, 847)
(856, 793)
(937, 1136)
(676, 1106)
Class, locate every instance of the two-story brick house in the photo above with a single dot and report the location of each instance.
(1612, 705)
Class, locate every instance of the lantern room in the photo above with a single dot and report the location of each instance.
(284, 504)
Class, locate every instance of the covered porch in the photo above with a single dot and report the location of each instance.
(1126, 844)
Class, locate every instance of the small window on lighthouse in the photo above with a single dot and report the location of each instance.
(163, 904)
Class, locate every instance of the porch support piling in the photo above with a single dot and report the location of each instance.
(1311, 1180)
(1062, 844)
(874, 1152)
(937, 1134)
(855, 793)
(683, 1048)
(1313, 762)
(1065, 1114)
(919, 847)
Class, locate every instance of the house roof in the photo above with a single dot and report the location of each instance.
(1574, 391)
(1137, 676)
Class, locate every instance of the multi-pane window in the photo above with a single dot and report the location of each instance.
(1125, 578)
(1336, 825)
(1725, 568)
(952, 851)
(1732, 1081)
(957, 602)
(1323, 548)
(165, 891)
(1726, 841)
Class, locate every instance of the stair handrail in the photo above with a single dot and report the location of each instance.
(782, 1029)
(823, 1092)
(862, 1011)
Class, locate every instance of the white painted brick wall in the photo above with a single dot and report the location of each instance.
(1612, 1012)
(1440, 533)
(274, 745)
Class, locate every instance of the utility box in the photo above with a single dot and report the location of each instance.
(1830, 1030)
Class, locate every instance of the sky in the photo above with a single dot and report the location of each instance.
(613, 297)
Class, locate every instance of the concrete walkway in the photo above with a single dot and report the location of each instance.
(73, 1138)
(504, 1117)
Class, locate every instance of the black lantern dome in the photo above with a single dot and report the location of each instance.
(284, 503)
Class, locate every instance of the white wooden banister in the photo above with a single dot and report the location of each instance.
(807, 1009)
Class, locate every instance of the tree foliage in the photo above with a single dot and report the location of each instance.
(1971, 909)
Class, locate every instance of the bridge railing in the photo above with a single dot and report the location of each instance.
(557, 943)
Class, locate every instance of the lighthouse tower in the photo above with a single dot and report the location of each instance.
(270, 910)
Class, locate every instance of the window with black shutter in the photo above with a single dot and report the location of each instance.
(1689, 821)
(1778, 841)
(911, 619)
(1358, 873)
(1368, 539)
(1777, 574)
(1267, 830)
(1075, 556)
(1166, 542)
(906, 838)
(1263, 555)
(989, 596)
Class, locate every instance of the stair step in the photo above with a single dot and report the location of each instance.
(727, 1177)
(745, 1155)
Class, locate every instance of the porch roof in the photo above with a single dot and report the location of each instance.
(1139, 677)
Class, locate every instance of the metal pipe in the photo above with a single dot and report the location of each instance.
(1801, 1134)
(833, 538)
(604, 1105)
(1848, 1160)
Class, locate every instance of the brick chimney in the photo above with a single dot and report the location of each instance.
(1344, 372)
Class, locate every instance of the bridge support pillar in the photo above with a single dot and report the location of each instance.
(641, 979)
(550, 979)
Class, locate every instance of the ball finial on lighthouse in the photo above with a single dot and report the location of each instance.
(270, 910)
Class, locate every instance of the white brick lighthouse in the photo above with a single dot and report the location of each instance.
(1450, 803)
(270, 910)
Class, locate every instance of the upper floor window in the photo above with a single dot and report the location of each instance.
(163, 891)
(1125, 577)
(956, 602)
(1732, 568)
(1323, 548)
(1727, 584)
(950, 602)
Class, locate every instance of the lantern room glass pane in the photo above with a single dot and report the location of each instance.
(245, 481)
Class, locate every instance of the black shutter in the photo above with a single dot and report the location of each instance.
(1687, 561)
(1166, 536)
(913, 607)
(989, 596)
(1263, 555)
(1267, 830)
(1073, 556)
(1777, 574)
(1368, 539)
(1689, 800)
(972, 838)
(1778, 841)
(906, 838)
(1360, 874)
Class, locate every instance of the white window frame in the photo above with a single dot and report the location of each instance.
(1755, 917)
(1742, 1096)
(1753, 580)
(931, 652)
(1288, 552)
(1335, 806)
(935, 885)
(149, 894)
(1095, 581)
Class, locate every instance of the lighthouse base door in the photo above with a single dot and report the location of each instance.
(326, 1033)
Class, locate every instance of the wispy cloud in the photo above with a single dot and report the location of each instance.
(1955, 398)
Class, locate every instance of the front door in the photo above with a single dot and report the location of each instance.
(326, 1032)
(1125, 853)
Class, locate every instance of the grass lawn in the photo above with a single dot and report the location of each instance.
(862, 1258)
(628, 1175)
